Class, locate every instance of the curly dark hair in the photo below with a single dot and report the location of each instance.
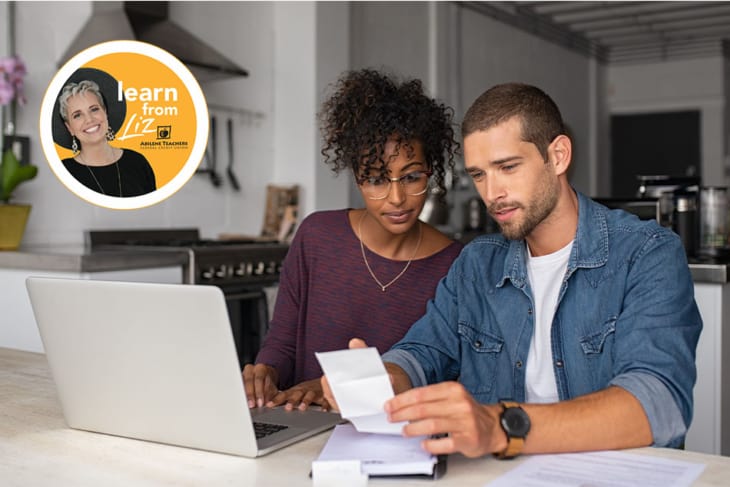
(368, 108)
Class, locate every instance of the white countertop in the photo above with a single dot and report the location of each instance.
(76, 258)
(37, 448)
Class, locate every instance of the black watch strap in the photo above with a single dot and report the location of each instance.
(515, 441)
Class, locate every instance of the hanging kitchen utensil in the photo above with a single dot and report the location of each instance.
(210, 155)
(214, 176)
(229, 170)
(205, 168)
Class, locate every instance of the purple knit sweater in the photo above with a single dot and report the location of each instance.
(326, 297)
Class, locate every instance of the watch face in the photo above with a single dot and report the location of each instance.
(515, 422)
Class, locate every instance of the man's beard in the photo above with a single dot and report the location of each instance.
(535, 212)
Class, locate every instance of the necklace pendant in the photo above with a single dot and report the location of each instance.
(365, 259)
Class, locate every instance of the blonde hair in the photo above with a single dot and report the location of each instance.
(73, 89)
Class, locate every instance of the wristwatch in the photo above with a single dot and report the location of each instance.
(516, 424)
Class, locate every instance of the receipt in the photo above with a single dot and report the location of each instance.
(361, 386)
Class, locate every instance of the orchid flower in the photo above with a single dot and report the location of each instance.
(12, 74)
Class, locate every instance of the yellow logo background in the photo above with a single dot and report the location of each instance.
(139, 132)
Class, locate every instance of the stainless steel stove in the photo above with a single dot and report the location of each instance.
(219, 262)
(242, 268)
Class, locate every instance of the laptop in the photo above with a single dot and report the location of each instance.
(156, 362)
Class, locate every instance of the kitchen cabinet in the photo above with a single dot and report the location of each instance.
(710, 428)
(18, 329)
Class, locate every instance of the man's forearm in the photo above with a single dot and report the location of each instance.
(608, 419)
(398, 377)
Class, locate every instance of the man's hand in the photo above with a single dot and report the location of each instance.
(447, 408)
(260, 382)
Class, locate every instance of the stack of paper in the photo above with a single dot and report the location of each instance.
(378, 454)
(361, 386)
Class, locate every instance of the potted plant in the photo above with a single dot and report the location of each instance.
(13, 217)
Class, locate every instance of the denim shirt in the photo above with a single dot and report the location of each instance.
(626, 317)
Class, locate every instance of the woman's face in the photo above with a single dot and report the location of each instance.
(398, 211)
(87, 119)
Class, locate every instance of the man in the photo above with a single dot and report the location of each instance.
(573, 330)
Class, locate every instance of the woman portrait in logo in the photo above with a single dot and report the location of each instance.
(87, 114)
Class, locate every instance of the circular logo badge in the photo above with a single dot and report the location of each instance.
(124, 124)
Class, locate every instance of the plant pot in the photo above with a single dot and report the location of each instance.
(12, 225)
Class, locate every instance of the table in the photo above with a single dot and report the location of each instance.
(37, 448)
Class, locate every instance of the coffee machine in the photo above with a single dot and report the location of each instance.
(713, 233)
(667, 190)
(698, 214)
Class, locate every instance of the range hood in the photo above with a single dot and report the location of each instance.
(148, 22)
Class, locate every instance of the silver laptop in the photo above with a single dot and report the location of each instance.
(156, 362)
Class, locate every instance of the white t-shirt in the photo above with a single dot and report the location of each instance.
(546, 274)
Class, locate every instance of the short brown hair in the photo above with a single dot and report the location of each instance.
(539, 115)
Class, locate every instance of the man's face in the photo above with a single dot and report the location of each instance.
(519, 188)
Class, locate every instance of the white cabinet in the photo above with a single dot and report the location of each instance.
(17, 325)
(710, 428)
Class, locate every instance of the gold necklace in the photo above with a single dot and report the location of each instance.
(383, 287)
(119, 176)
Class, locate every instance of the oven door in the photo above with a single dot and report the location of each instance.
(248, 310)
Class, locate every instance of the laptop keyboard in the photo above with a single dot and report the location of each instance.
(265, 429)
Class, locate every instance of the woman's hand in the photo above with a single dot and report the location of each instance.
(301, 396)
(260, 382)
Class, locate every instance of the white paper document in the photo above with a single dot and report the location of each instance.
(600, 469)
(378, 454)
(361, 386)
(338, 473)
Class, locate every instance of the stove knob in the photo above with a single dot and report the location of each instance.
(260, 268)
(240, 271)
(222, 271)
(271, 268)
(207, 274)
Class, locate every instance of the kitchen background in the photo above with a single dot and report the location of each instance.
(606, 64)
(294, 50)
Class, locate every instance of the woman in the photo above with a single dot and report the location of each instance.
(361, 272)
(96, 164)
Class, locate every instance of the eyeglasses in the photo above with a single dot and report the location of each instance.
(378, 187)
